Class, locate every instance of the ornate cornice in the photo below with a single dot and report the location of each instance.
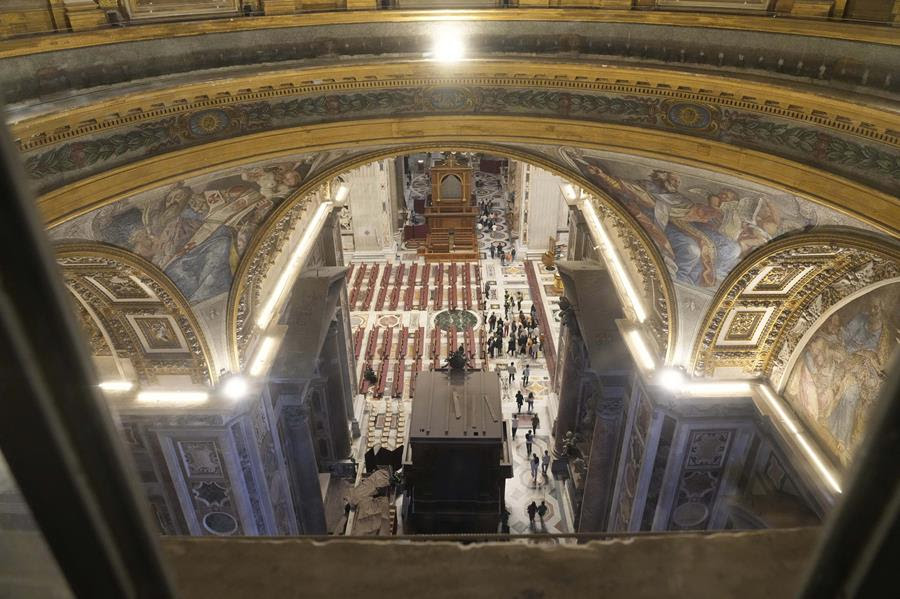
(778, 292)
(788, 26)
(722, 93)
(879, 209)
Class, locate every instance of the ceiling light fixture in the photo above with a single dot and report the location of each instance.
(782, 416)
(235, 387)
(176, 398)
(449, 45)
(261, 360)
(641, 352)
(116, 386)
(670, 378)
(292, 269)
(340, 195)
(612, 259)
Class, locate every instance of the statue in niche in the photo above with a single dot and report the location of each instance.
(566, 312)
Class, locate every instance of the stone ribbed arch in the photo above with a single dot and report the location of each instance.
(133, 314)
(773, 298)
(272, 236)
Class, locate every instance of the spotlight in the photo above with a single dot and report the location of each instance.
(340, 195)
(448, 44)
(235, 387)
(670, 378)
(116, 386)
(174, 398)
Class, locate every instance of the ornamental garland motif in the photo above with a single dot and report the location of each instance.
(875, 164)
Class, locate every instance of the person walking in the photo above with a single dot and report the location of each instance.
(511, 347)
(513, 252)
(525, 374)
(529, 439)
(545, 461)
(493, 251)
(515, 426)
(532, 512)
(530, 401)
(542, 511)
(535, 422)
(535, 462)
(511, 369)
(492, 320)
(520, 399)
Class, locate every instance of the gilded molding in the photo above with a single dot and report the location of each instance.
(723, 93)
(780, 290)
(869, 205)
(793, 26)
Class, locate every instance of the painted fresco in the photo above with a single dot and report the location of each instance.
(197, 230)
(837, 376)
(702, 223)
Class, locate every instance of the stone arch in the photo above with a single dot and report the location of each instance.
(772, 299)
(134, 316)
(649, 270)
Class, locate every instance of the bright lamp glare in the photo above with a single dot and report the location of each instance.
(174, 398)
(235, 388)
(569, 192)
(448, 44)
(116, 386)
(671, 379)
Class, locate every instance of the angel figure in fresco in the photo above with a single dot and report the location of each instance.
(702, 234)
(197, 235)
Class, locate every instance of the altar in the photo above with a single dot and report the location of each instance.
(451, 214)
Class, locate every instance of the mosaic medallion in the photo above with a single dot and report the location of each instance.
(463, 320)
(389, 321)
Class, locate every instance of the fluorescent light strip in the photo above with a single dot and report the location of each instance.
(641, 351)
(180, 398)
(298, 257)
(717, 388)
(116, 386)
(609, 251)
(262, 356)
(805, 445)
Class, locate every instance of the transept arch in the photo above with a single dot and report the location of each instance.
(775, 297)
(644, 258)
(138, 324)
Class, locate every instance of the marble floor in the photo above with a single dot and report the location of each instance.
(416, 308)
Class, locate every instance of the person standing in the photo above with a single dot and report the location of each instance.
(513, 252)
(530, 401)
(525, 374)
(532, 512)
(514, 421)
(511, 347)
(529, 439)
(520, 399)
(492, 320)
(519, 302)
(493, 251)
(511, 369)
(535, 422)
(535, 462)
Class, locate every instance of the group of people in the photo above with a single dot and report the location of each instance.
(522, 335)
(506, 257)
